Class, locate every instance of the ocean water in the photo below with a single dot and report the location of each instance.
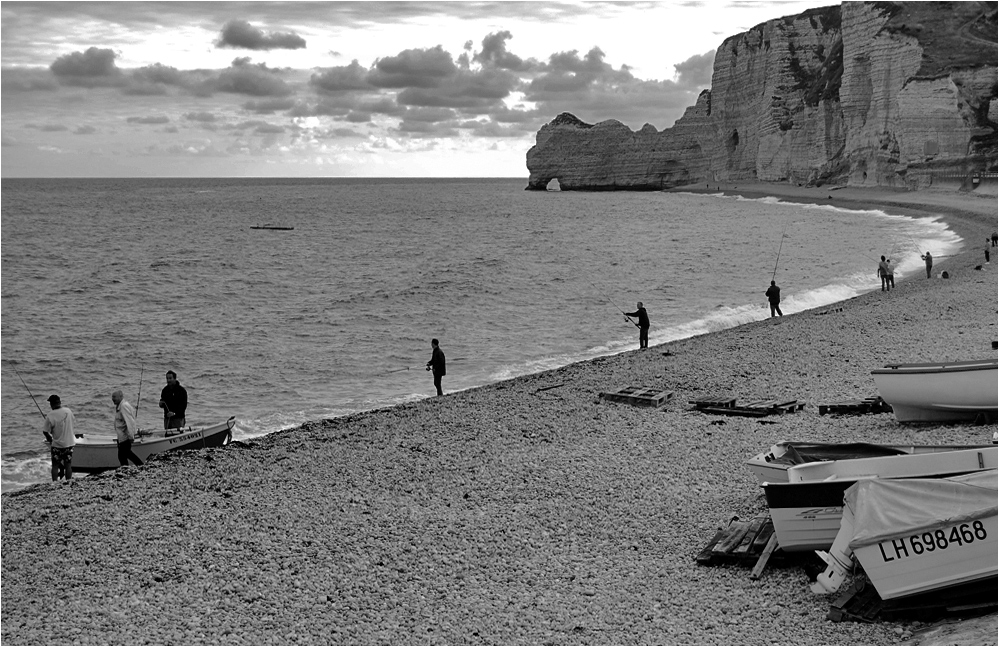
(107, 284)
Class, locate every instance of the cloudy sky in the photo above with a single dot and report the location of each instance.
(446, 89)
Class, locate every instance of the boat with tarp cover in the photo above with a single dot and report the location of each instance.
(912, 536)
(94, 453)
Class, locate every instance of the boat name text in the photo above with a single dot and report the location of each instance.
(927, 542)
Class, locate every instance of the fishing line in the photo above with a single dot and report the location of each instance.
(779, 248)
(138, 397)
(26, 388)
(600, 292)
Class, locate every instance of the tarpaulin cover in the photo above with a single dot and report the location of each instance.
(886, 509)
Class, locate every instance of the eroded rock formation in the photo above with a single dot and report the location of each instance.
(867, 93)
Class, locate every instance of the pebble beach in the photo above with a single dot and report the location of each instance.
(528, 511)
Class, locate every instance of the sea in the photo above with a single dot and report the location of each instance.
(108, 283)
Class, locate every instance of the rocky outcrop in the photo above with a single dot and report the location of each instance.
(864, 93)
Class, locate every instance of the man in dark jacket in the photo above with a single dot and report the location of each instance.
(773, 296)
(173, 401)
(643, 325)
(436, 364)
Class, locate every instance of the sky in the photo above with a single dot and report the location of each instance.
(340, 89)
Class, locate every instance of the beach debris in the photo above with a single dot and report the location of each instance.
(861, 603)
(638, 396)
(757, 408)
(549, 388)
(871, 404)
(742, 542)
(831, 310)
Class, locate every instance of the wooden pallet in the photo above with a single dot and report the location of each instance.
(873, 404)
(713, 402)
(638, 396)
(755, 409)
(742, 541)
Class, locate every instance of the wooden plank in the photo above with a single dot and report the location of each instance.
(736, 532)
(747, 541)
(735, 411)
(706, 556)
(761, 539)
(761, 563)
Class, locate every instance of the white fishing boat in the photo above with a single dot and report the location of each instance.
(940, 392)
(806, 511)
(770, 466)
(916, 535)
(95, 453)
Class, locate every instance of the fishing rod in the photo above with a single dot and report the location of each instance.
(779, 248)
(601, 293)
(138, 397)
(27, 389)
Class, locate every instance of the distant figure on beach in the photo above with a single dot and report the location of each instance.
(173, 401)
(986, 250)
(643, 325)
(883, 274)
(929, 263)
(995, 238)
(773, 295)
(124, 428)
(890, 268)
(58, 432)
(437, 365)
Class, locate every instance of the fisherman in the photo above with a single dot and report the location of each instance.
(883, 274)
(643, 324)
(173, 401)
(58, 432)
(890, 268)
(773, 295)
(929, 263)
(437, 365)
(125, 428)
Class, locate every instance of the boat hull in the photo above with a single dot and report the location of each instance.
(896, 568)
(98, 453)
(771, 466)
(807, 510)
(942, 392)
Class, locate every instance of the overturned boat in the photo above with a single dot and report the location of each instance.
(806, 511)
(916, 535)
(940, 392)
(95, 453)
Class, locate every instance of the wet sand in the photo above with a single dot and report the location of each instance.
(523, 512)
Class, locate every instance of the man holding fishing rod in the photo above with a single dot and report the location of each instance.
(643, 324)
(58, 431)
(125, 428)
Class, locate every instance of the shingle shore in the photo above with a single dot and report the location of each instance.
(506, 514)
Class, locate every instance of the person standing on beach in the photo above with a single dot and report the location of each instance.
(773, 296)
(124, 428)
(883, 274)
(995, 238)
(890, 268)
(929, 263)
(986, 250)
(58, 432)
(643, 325)
(437, 365)
(173, 401)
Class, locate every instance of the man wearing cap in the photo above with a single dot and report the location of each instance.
(124, 428)
(58, 431)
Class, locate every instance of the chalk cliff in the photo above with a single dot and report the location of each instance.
(864, 93)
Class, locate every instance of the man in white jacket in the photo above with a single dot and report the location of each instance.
(124, 428)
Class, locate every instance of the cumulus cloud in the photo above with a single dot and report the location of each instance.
(27, 80)
(413, 68)
(85, 130)
(243, 77)
(342, 78)
(203, 117)
(494, 53)
(268, 106)
(695, 72)
(240, 34)
(92, 68)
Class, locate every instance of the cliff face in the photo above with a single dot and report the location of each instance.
(865, 93)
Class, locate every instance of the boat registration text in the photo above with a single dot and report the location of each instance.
(928, 542)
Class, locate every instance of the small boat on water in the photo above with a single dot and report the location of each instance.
(806, 511)
(95, 453)
(770, 466)
(916, 535)
(942, 391)
(269, 226)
